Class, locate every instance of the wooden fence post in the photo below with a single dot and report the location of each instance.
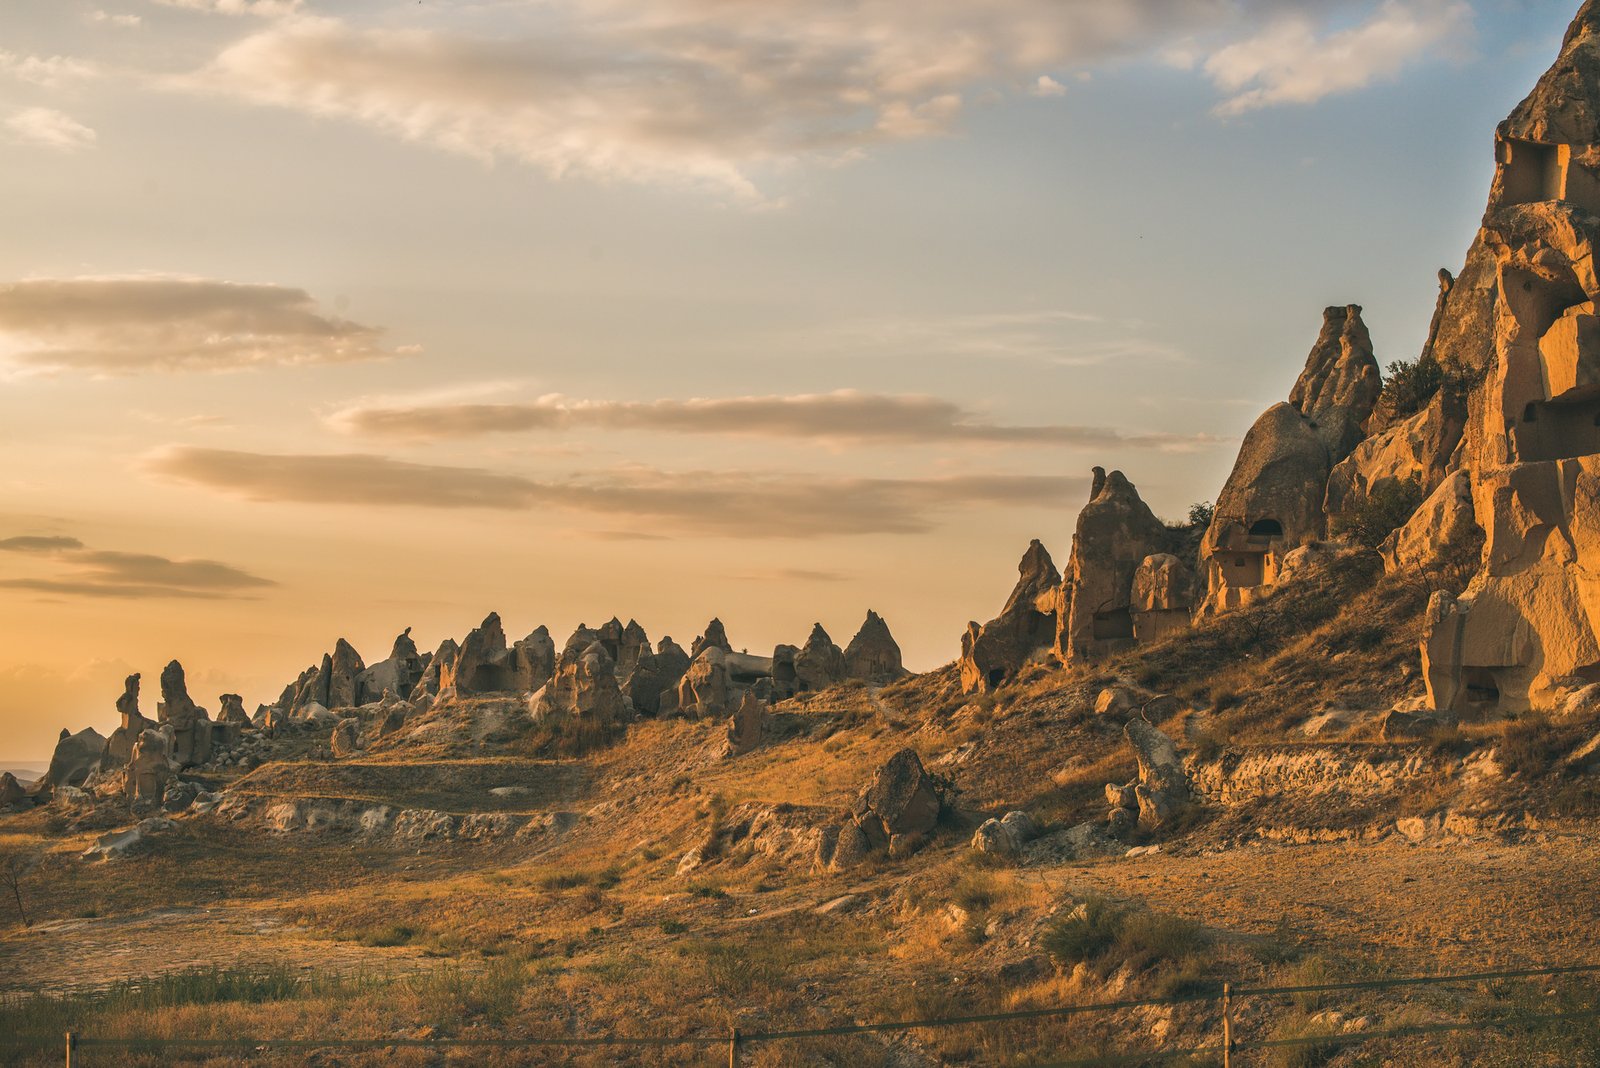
(733, 1048)
(72, 1043)
(1227, 1025)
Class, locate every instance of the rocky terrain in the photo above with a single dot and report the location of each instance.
(1344, 723)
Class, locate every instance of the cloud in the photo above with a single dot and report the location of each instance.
(111, 19)
(793, 574)
(48, 128)
(844, 417)
(1048, 86)
(129, 325)
(84, 572)
(1057, 337)
(32, 543)
(47, 71)
(1288, 63)
(261, 8)
(703, 503)
(697, 92)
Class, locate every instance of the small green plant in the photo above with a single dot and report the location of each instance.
(1409, 385)
(394, 934)
(673, 927)
(1388, 503)
(1085, 933)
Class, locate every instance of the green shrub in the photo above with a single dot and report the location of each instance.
(1085, 933)
(1409, 385)
(1388, 503)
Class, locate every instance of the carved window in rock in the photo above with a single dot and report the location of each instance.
(1266, 528)
(1532, 171)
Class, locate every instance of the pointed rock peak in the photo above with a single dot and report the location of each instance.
(666, 646)
(874, 623)
(541, 631)
(818, 637)
(404, 648)
(1036, 574)
(173, 685)
(1097, 482)
(1341, 381)
(634, 632)
(714, 636)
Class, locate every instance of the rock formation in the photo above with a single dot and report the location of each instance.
(119, 747)
(584, 685)
(12, 793)
(75, 756)
(346, 738)
(1524, 632)
(191, 728)
(533, 661)
(655, 677)
(746, 725)
(704, 689)
(1273, 500)
(428, 684)
(714, 636)
(344, 668)
(901, 806)
(994, 652)
(399, 673)
(1162, 788)
(1116, 532)
(480, 666)
(873, 655)
(819, 663)
(150, 768)
(1162, 598)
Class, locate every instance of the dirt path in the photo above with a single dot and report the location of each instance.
(56, 956)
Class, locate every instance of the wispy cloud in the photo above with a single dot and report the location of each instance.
(154, 323)
(1289, 62)
(112, 18)
(49, 128)
(1051, 336)
(699, 92)
(260, 8)
(698, 502)
(843, 416)
(83, 572)
(47, 71)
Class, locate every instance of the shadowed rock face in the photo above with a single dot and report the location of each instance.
(76, 755)
(1116, 532)
(584, 685)
(901, 805)
(119, 747)
(191, 729)
(1524, 633)
(655, 677)
(714, 637)
(480, 666)
(819, 663)
(994, 652)
(873, 654)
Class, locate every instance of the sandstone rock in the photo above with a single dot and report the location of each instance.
(399, 673)
(150, 768)
(1006, 836)
(704, 688)
(480, 667)
(533, 661)
(1340, 383)
(428, 684)
(785, 679)
(1116, 533)
(1271, 503)
(119, 747)
(901, 800)
(873, 655)
(1444, 519)
(656, 676)
(584, 686)
(344, 667)
(819, 664)
(346, 739)
(1420, 446)
(1123, 699)
(714, 637)
(1406, 727)
(841, 847)
(12, 793)
(634, 644)
(992, 653)
(1162, 598)
(121, 843)
(746, 725)
(232, 710)
(75, 756)
(191, 728)
(1162, 788)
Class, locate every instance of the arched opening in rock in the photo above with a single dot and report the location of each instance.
(1482, 690)
(996, 676)
(1266, 528)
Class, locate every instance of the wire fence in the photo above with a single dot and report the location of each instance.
(73, 1044)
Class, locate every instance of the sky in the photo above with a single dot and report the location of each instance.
(325, 318)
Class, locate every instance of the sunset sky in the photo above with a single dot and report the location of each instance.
(325, 318)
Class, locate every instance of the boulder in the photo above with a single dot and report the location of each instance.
(1444, 519)
(902, 801)
(873, 655)
(1162, 788)
(1418, 447)
(120, 843)
(841, 847)
(232, 710)
(12, 793)
(75, 756)
(1116, 532)
(1006, 836)
(994, 652)
(746, 725)
(819, 664)
(346, 739)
